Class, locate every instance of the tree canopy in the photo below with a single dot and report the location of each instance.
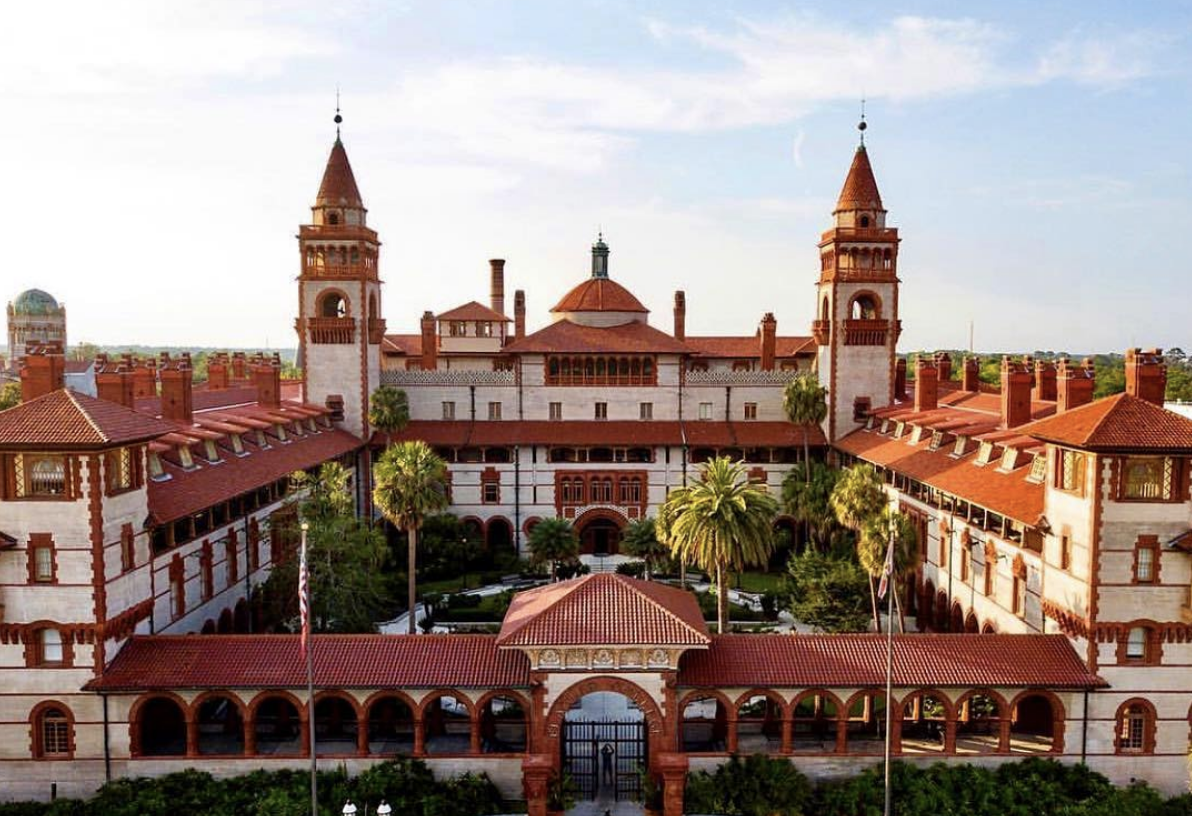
(553, 542)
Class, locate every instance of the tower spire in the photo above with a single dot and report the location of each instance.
(339, 119)
(861, 126)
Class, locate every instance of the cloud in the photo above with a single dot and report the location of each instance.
(1101, 61)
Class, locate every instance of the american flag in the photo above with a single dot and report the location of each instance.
(303, 596)
(888, 568)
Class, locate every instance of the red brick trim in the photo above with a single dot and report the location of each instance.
(1147, 542)
(37, 540)
(36, 731)
(551, 726)
(1148, 727)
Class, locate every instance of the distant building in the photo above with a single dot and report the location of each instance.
(34, 316)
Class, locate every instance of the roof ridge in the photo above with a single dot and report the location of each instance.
(70, 395)
(1116, 399)
(581, 580)
(631, 584)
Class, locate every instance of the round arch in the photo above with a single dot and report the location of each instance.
(979, 728)
(815, 728)
(655, 724)
(971, 625)
(240, 617)
(866, 303)
(389, 733)
(501, 733)
(225, 625)
(763, 729)
(1030, 728)
(332, 303)
(47, 739)
(922, 729)
(941, 611)
(161, 743)
(863, 720)
(338, 718)
(498, 534)
(273, 732)
(222, 732)
(956, 618)
(444, 729)
(599, 531)
(926, 605)
(988, 628)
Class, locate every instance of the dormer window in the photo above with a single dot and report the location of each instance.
(262, 440)
(156, 471)
(937, 439)
(1038, 468)
(484, 329)
(1009, 459)
(211, 451)
(985, 453)
(279, 430)
(886, 426)
(237, 444)
(899, 428)
(188, 462)
(961, 446)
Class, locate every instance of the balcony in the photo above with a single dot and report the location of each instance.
(861, 234)
(865, 332)
(376, 330)
(332, 330)
(351, 271)
(821, 330)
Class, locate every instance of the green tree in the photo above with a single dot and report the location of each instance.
(871, 551)
(84, 351)
(10, 395)
(828, 592)
(806, 496)
(640, 540)
(389, 409)
(553, 541)
(446, 547)
(410, 484)
(805, 402)
(858, 497)
(348, 587)
(722, 522)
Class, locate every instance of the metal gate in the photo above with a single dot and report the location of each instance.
(605, 758)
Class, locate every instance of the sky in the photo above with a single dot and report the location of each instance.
(159, 157)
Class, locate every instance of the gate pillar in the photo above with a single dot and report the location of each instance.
(536, 773)
(673, 769)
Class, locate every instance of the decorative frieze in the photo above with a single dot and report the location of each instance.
(604, 658)
(447, 377)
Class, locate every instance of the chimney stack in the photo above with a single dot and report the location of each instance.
(177, 384)
(497, 291)
(430, 342)
(217, 371)
(1016, 392)
(239, 366)
(519, 314)
(266, 374)
(1146, 374)
(680, 315)
(926, 384)
(144, 378)
(1045, 388)
(769, 340)
(43, 370)
(971, 376)
(900, 379)
(943, 365)
(1075, 384)
(113, 381)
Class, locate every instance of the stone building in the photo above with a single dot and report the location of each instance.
(34, 317)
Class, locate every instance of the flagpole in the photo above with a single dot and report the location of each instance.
(889, 660)
(308, 648)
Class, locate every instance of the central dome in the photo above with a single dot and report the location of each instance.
(599, 295)
(34, 302)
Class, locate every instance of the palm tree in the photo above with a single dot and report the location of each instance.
(722, 522)
(871, 551)
(553, 541)
(640, 540)
(411, 483)
(388, 410)
(857, 498)
(806, 403)
(806, 496)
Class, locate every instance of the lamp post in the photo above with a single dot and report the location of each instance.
(383, 809)
(349, 808)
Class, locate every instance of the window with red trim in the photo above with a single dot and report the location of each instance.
(1135, 728)
(1146, 560)
(128, 548)
(53, 732)
(232, 555)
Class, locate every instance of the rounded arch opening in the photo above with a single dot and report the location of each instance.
(704, 728)
(447, 724)
(1034, 723)
(161, 728)
(865, 306)
(865, 724)
(336, 726)
(924, 723)
(759, 724)
(391, 725)
(979, 716)
(277, 726)
(332, 304)
(503, 724)
(498, 536)
(815, 723)
(220, 724)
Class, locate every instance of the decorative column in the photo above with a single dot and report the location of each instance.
(731, 736)
(673, 768)
(192, 735)
(1003, 733)
(474, 734)
(787, 729)
(362, 735)
(419, 736)
(536, 774)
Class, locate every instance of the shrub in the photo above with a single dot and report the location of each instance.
(755, 786)
(634, 569)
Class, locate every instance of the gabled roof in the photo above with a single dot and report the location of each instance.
(860, 188)
(1121, 422)
(473, 310)
(565, 336)
(748, 346)
(604, 608)
(599, 295)
(65, 419)
(407, 344)
(343, 661)
(338, 188)
(810, 661)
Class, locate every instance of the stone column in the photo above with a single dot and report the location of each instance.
(419, 737)
(536, 774)
(673, 768)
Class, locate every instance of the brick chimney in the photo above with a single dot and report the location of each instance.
(1075, 384)
(680, 315)
(519, 314)
(1016, 392)
(497, 289)
(144, 378)
(239, 366)
(926, 384)
(943, 364)
(217, 371)
(971, 375)
(266, 375)
(430, 342)
(1146, 374)
(113, 381)
(768, 334)
(177, 385)
(43, 370)
(900, 378)
(1045, 380)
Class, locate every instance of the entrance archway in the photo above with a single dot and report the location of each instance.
(599, 532)
(499, 536)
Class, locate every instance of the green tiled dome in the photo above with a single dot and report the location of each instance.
(34, 302)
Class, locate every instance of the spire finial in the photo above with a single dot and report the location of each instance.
(861, 126)
(338, 118)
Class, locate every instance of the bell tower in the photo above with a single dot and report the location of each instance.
(339, 323)
(857, 325)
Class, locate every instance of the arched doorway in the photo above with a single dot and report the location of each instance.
(499, 536)
(599, 532)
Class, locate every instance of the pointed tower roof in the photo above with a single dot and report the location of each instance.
(339, 184)
(860, 188)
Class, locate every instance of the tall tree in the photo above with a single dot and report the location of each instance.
(857, 498)
(553, 541)
(806, 496)
(871, 551)
(722, 522)
(805, 402)
(640, 540)
(828, 592)
(348, 586)
(411, 483)
(389, 409)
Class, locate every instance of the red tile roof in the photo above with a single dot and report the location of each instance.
(341, 661)
(565, 336)
(1121, 422)
(204, 399)
(599, 295)
(987, 403)
(860, 187)
(1009, 494)
(338, 188)
(748, 346)
(1047, 661)
(187, 492)
(461, 433)
(65, 419)
(408, 344)
(473, 310)
(604, 609)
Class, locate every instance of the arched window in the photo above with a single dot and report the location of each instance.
(865, 307)
(502, 726)
(865, 222)
(53, 732)
(333, 218)
(447, 725)
(390, 726)
(1135, 728)
(815, 721)
(332, 304)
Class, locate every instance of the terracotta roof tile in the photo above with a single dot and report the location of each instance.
(342, 661)
(748, 346)
(1121, 422)
(604, 608)
(1047, 661)
(860, 187)
(473, 310)
(65, 419)
(338, 188)
(630, 338)
(408, 344)
(462, 433)
(599, 295)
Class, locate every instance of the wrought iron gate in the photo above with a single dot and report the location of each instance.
(605, 758)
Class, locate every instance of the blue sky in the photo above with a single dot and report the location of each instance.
(159, 157)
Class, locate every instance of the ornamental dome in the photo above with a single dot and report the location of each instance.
(34, 302)
(599, 295)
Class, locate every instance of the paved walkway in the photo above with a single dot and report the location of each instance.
(598, 807)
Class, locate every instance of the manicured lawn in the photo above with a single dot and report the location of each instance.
(758, 581)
